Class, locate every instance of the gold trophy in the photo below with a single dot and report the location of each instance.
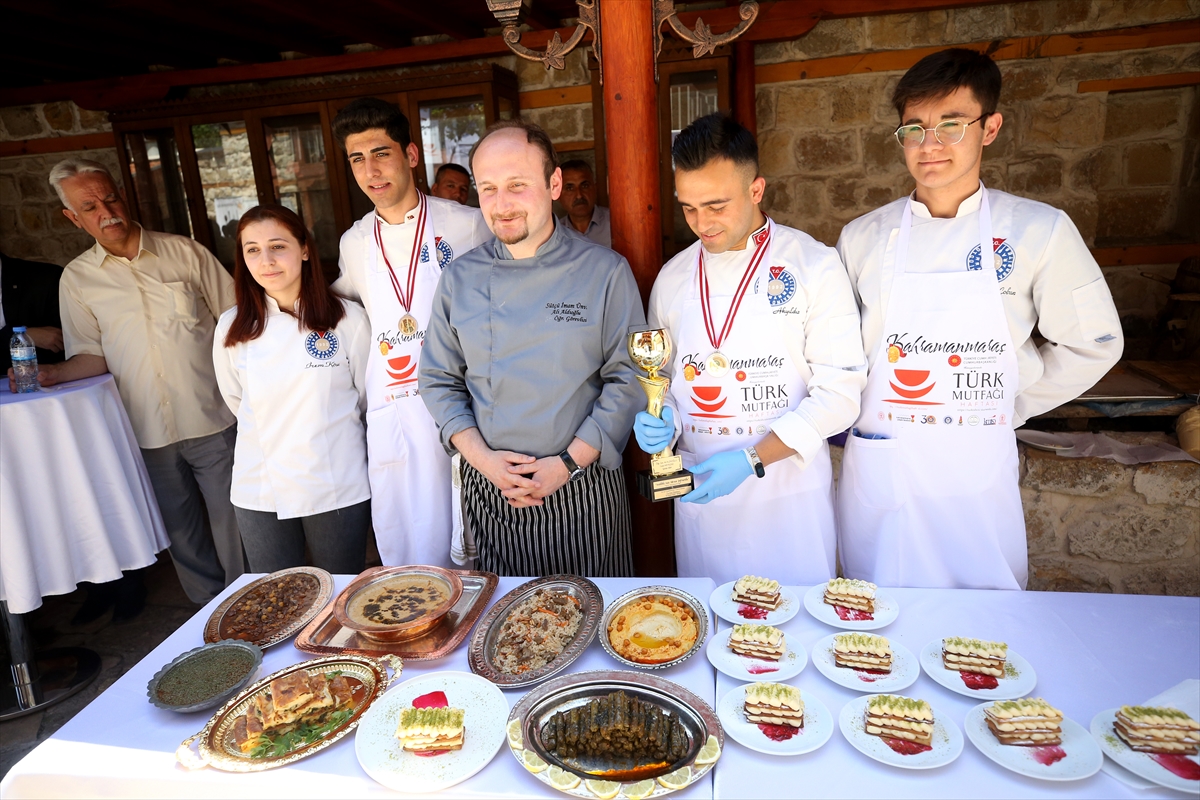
(666, 477)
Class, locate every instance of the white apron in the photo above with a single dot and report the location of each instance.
(780, 525)
(411, 492)
(936, 503)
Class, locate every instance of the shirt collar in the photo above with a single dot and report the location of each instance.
(273, 307)
(409, 216)
(145, 245)
(558, 239)
(965, 208)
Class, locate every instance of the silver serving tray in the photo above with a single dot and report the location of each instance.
(482, 650)
(568, 691)
(217, 699)
(212, 629)
(698, 609)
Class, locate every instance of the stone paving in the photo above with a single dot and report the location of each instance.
(120, 647)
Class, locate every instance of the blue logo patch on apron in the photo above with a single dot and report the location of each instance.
(321, 345)
(781, 288)
(444, 251)
(1006, 259)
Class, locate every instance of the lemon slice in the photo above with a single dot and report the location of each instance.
(605, 790)
(532, 761)
(710, 752)
(639, 790)
(515, 740)
(677, 779)
(561, 779)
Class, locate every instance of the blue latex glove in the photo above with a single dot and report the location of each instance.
(652, 433)
(728, 471)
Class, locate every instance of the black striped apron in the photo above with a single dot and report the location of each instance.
(582, 529)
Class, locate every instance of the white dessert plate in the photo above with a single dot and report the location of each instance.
(818, 725)
(381, 756)
(744, 668)
(886, 611)
(905, 669)
(947, 739)
(1144, 765)
(1018, 679)
(1076, 758)
(723, 606)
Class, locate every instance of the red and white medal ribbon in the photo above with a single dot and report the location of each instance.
(717, 364)
(408, 323)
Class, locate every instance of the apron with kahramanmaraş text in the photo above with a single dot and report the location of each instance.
(780, 525)
(928, 495)
(411, 491)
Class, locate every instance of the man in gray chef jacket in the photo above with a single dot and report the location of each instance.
(526, 372)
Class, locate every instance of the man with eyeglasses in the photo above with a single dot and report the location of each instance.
(951, 283)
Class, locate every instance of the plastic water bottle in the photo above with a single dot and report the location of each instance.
(24, 361)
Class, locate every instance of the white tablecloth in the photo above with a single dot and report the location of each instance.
(75, 501)
(1090, 652)
(121, 746)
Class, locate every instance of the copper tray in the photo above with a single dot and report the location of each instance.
(326, 636)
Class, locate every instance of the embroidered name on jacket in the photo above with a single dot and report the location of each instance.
(567, 312)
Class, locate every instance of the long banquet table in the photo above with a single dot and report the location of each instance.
(1090, 652)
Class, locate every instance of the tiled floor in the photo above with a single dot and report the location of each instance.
(119, 646)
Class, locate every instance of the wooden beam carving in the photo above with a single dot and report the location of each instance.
(57, 144)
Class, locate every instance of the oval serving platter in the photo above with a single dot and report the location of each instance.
(217, 627)
(209, 664)
(566, 692)
(699, 612)
(482, 650)
(215, 744)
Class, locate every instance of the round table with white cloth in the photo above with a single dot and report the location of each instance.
(75, 500)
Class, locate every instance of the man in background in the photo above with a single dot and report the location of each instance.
(143, 305)
(451, 182)
(579, 197)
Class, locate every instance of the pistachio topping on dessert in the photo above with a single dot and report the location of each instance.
(891, 705)
(963, 645)
(1027, 707)
(862, 643)
(776, 695)
(757, 633)
(851, 586)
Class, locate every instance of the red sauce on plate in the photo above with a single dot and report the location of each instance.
(1179, 765)
(870, 675)
(431, 700)
(853, 614)
(751, 612)
(1048, 754)
(761, 669)
(778, 733)
(974, 680)
(906, 748)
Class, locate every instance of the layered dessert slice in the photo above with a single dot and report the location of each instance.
(974, 655)
(851, 593)
(894, 717)
(758, 592)
(862, 651)
(1028, 722)
(774, 704)
(1148, 729)
(759, 641)
(431, 729)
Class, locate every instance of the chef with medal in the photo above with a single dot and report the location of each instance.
(952, 281)
(390, 261)
(768, 363)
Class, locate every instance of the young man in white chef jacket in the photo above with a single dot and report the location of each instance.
(951, 283)
(390, 261)
(766, 363)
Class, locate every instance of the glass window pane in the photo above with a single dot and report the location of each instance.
(227, 180)
(300, 173)
(693, 94)
(158, 181)
(448, 130)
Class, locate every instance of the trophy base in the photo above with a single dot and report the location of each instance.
(664, 487)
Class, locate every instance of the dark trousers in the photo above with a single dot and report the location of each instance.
(336, 539)
(191, 478)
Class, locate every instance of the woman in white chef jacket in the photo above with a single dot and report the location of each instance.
(290, 360)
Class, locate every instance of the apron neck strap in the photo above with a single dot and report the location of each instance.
(985, 233)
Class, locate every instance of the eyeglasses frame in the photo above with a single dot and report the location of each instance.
(924, 130)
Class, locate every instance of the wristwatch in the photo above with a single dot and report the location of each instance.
(756, 462)
(576, 471)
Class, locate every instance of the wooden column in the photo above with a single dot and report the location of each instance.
(631, 140)
(744, 101)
